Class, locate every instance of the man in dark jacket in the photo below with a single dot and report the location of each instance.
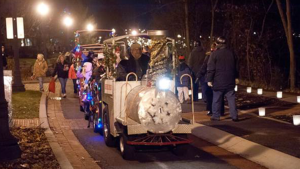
(137, 63)
(222, 76)
(195, 62)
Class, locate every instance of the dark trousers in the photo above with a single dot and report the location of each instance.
(209, 100)
(195, 90)
(75, 85)
(218, 98)
(204, 88)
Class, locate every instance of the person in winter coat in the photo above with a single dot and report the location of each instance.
(40, 68)
(195, 62)
(73, 76)
(183, 88)
(137, 63)
(99, 70)
(208, 90)
(222, 76)
(62, 72)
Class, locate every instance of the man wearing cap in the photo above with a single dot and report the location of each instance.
(137, 63)
(222, 76)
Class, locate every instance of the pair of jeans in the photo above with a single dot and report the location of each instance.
(218, 103)
(75, 85)
(41, 82)
(209, 101)
(63, 83)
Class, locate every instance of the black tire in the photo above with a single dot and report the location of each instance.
(127, 151)
(180, 149)
(109, 140)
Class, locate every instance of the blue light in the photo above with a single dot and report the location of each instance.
(99, 125)
(99, 119)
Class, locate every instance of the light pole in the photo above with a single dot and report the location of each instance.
(17, 86)
(43, 9)
(9, 148)
(68, 22)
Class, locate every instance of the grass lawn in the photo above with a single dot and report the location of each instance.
(26, 104)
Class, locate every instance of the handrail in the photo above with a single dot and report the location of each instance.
(193, 112)
(136, 79)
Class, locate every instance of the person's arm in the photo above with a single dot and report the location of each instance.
(121, 73)
(70, 71)
(46, 67)
(211, 69)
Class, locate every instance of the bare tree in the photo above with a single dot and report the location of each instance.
(213, 9)
(287, 25)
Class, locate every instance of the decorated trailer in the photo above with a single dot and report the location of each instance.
(143, 112)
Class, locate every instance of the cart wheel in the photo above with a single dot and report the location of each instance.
(127, 151)
(110, 141)
(180, 149)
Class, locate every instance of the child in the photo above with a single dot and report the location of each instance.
(72, 75)
(39, 70)
(182, 88)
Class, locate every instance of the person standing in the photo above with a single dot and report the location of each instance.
(62, 70)
(195, 61)
(183, 88)
(222, 76)
(208, 90)
(4, 56)
(40, 68)
(72, 75)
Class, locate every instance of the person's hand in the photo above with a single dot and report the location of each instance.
(237, 81)
(210, 84)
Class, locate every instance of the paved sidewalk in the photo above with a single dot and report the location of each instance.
(62, 129)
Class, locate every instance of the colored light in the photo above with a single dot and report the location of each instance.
(249, 89)
(100, 125)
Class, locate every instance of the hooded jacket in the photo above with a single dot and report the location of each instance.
(40, 68)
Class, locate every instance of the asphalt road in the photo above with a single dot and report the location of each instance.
(110, 158)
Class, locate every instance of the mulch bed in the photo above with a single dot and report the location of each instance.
(36, 151)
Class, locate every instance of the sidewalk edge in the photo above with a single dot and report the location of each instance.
(57, 150)
(257, 153)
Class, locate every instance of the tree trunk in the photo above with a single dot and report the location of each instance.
(248, 49)
(213, 8)
(187, 33)
(264, 21)
(287, 25)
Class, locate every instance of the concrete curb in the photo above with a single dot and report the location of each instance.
(57, 150)
(257, 153)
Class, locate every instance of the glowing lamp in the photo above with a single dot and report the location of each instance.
(261, 111)
(259, 91)
(134, 33)
(236, 88)
(90, 27)
(298, 99)
(199, 95)
(43, 9)
(190, 92)
(296, 120)
(249, 89)
(279, 94)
